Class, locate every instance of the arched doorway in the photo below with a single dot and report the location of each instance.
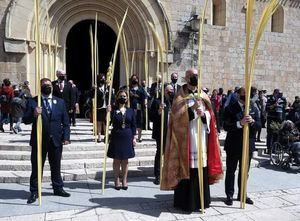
(78, 53)
(65, 14)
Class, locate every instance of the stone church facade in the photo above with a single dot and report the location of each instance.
(278, 57)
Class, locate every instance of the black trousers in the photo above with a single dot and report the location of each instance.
(54, 157)
(157, 159)
(72, 117)
(271, 136)
(231, 165)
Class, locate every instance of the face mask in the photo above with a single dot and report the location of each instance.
(171, 95)
(174, 81)
(62, 78)
(134, 81)
(102, 81)
(243, 98)
(122, 100)
(194, 80)
(46, 89)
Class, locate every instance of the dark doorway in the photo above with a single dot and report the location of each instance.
(78, 54)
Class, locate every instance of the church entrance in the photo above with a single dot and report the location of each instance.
(78, 56)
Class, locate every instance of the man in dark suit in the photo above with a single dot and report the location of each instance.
(55, 134)
(63, 89)
(175, 85)
(74, 103)
(155, 88)
(234, 121)
(155, 116)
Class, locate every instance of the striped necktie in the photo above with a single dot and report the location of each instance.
(47, 105)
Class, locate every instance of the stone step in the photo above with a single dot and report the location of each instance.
(85, 146)
(69, 155)
(14, 165)
(83, 174)
(70, 164)
(72, 175)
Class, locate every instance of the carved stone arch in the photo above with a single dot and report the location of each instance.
(64, 14)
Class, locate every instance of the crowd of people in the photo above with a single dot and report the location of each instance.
(182, 108)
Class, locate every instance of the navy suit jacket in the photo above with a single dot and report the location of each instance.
(56, 125)
(234, 138)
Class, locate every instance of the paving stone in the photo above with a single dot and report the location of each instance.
(272, 202)
(34, 217)
(102, 211)
(295, 198)
(229, 217)
(87, 212)
(110, 217)
(295, 210)
(86, 218)
(60, 215)
(276, 214)
(222, 208)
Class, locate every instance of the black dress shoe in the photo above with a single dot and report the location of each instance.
(118, 187)
(156, 181)
(32, 198)
(124, 187)
(61, 193)
(248, 200)
(229, 201)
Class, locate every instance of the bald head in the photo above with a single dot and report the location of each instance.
(190, 72)
(191, 77)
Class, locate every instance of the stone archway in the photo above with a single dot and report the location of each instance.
(64, 14)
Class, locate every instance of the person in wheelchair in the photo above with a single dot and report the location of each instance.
(289, 137)
(288, 134)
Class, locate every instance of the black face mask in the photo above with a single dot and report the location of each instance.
(62, 78)
(134, 81)
(243, 98)
(102, 81)
(174, 81)
(194, 80)
(46, 89)
(171, 95)
(122, 100)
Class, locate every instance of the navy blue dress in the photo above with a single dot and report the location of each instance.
(121, 145)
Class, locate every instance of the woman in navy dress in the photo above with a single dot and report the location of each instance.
(122, 140)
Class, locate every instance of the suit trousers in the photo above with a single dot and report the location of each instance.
(157, 159)
(54, 157)
(232, 159)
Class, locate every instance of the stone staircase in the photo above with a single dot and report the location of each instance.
(82, 159)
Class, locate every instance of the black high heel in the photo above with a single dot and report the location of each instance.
(117, 184)
(124, 187)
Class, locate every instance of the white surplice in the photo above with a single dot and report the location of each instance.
(194, 136)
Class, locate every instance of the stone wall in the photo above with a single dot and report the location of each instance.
(12, 66)
(277, 64)
(278, 56)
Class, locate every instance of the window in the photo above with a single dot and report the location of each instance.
(219, 12)
(277, 22)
